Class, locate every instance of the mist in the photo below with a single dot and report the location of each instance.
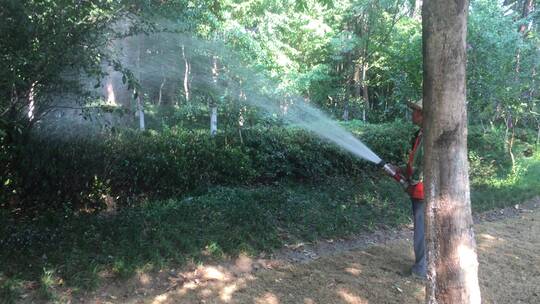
(172, 69)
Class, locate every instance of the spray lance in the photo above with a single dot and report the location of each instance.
(394, 172)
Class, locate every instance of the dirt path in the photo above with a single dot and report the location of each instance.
(369, 269)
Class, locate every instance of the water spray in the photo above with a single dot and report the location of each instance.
(164, 62)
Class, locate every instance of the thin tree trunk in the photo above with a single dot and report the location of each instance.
(417, 11)
(141, 113)
(451, 247)
(213, 120)
(345, 115)
(213, 103)
(186, 74)
(163, 82)
(510, 147)
(109, 87)
(357, 89)
(365, 94)
(512, 125)
(160, 96)
(31, 102)
(538, 134)
(140, 108)
(527, 9)
(241, 111)
(507, 126)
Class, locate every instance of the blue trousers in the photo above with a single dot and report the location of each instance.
(420, 265)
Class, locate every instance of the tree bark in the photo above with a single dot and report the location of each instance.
(452, 258)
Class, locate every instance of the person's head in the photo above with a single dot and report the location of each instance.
(417, 116)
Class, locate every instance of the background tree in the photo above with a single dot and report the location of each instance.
(44, 46)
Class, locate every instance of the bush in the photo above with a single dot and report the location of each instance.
(391, 141)
(92, 172)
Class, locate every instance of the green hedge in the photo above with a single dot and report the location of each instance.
(128, 166)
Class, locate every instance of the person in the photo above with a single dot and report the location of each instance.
(415, 178)
(413, 175)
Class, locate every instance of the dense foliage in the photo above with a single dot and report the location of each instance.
(90, 170)
(94, 172)
(356, 59)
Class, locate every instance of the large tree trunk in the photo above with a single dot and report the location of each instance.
(452, 259)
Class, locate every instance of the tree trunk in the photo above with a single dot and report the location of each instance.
(162, 85)
(160, 94)
(186, 74)
(242, 109)
(538, 134)
(138, 92)
(213, 119)
(506, 130)
(141, 113)
(527, 9)
(31, 102)
(365, 95)
(213, 103)
(345, 115)
(356, 89)
(452, 259)
(510, 149)
(512, 124)
(417, 11)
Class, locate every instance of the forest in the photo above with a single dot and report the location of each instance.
(139, 136)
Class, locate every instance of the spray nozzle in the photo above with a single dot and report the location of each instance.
(394, 172)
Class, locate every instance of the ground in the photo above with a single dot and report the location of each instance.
(372, 268)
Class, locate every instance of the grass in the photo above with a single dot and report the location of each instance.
(10, 289)
(66, 250)
(519, 185)
(225, 221)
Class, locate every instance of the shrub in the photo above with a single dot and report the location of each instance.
(92, 172)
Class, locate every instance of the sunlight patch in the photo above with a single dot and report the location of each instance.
(228, 291)
(468, 262)
(144, 279)
(351, 298)
(160, 299)
(354, 270)
(244, 263)
(267, 298)
(212, 273)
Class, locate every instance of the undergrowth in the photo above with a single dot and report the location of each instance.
(223, 222)
(59, 249)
